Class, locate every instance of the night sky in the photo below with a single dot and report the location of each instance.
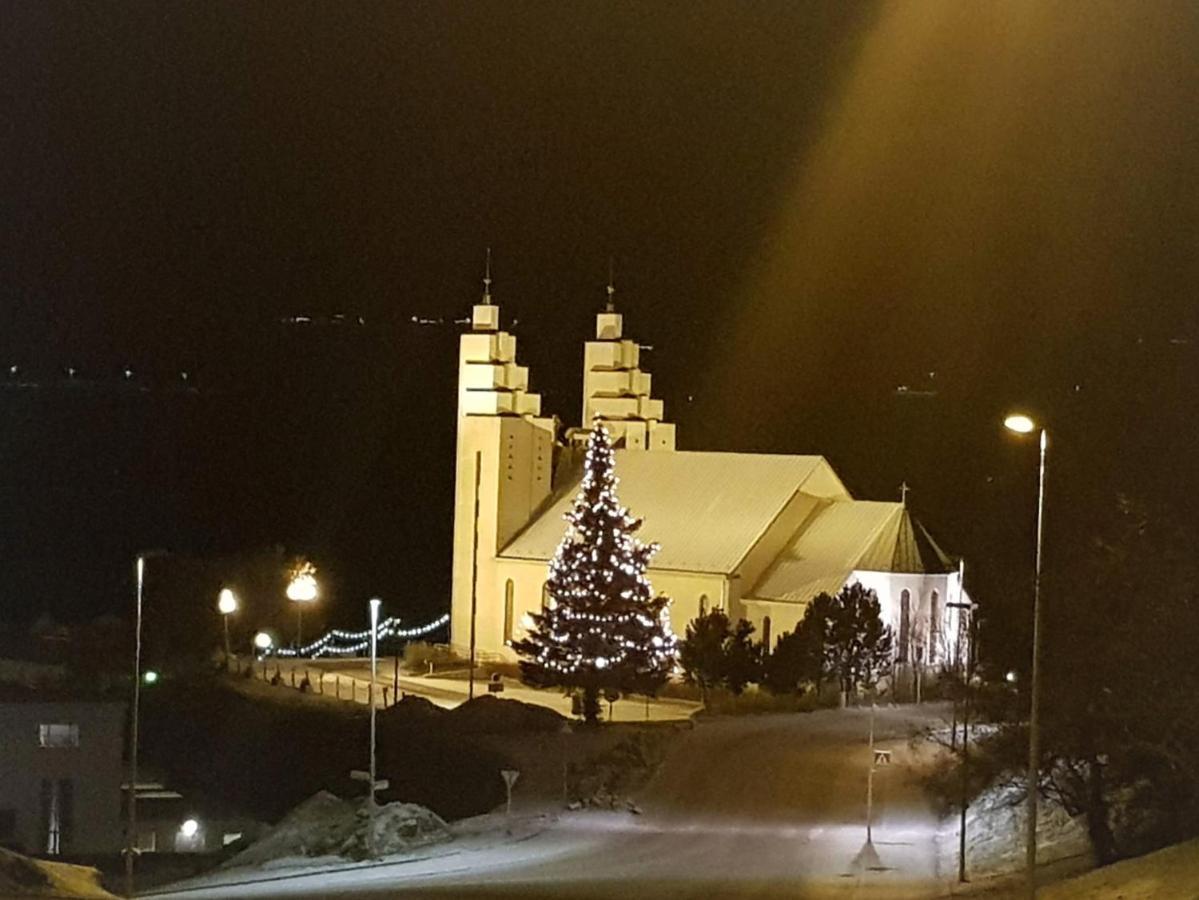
(808, 205)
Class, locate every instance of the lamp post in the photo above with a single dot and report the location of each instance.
(134, 716)
(226, 605)
(1022, 424)
(372, 807)
(966, 609)
(302, 589)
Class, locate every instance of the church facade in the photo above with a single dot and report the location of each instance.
(755, 535)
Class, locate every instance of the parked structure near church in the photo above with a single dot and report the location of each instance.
(61, 776)
(756, 535)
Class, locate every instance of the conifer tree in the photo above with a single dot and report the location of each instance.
(603, 628)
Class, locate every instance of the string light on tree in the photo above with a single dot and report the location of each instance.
(603, 628)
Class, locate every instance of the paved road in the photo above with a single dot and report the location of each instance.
(762, 807)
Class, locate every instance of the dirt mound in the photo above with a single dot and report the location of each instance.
(24, 877)
(19, 874)
(326, 825)
(414, 709)
(491, 715)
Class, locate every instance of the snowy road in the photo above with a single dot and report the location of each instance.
(764, 806)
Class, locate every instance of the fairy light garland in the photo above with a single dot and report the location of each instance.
(603, 623)
(331, 643)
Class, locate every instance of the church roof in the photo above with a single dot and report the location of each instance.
(905, 546)
(707, 510)
(844, 537)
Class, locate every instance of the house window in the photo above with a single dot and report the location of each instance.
(934, 627)
(703, 605)
(766, 632)
(509, 592)
(58, 735)
(905, 624)
(545, 596)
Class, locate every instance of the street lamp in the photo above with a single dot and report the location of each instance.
(300, 590)
(1022, 424)
(373, 809)
(226, 605)
(263, 642)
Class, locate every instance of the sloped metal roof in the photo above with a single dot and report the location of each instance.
(905, 546)
(825, 550)
(847, 536)
(706, 510)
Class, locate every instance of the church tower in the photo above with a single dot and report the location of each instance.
(503, 470)
(617, 391)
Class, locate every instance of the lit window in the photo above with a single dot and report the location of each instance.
(58, 735)
(905, 624)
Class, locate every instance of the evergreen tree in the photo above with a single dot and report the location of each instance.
(857, 644)
(702, 651)
(742, 658)
(603, 628)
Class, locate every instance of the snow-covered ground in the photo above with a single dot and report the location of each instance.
(21, 876)
(764, 806)
(1170, 874)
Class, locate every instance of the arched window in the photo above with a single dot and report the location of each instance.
(934, 627)
(766, 633)
(509, 611)
(905, 624)
(703, 604)
(545, 596)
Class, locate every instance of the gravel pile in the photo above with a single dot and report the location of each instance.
(326, 825)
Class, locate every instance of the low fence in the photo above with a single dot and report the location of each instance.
(313, 679)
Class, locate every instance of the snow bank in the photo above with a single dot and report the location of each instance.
(995, 834)
(21, 876)
(1170, 874)
(325, 825)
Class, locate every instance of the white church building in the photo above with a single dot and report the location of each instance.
(756, 535)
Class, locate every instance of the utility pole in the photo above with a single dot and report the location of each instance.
(373, 807)
(968, 610)
(870, 783)
(474, 577)
(131, 798)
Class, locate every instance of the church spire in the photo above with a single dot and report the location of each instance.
(486, 315)
(487, 279)
(611, 305)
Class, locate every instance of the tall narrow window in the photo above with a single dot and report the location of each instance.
(509, 594)
(545, 596)
(766, 633)
(58, 814)
(934, 627)
(905, 623)
(703, 604)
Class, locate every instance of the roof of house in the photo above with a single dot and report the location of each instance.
(706, 510)
(843, 537)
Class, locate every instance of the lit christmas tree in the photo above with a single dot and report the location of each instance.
(603, 628)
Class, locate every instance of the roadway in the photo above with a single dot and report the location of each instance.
(768, 806)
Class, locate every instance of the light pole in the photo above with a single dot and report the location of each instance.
(375, 602)
(302, 589)
(966, 609)
(134, 716)
(226, 605)
(1022, 424)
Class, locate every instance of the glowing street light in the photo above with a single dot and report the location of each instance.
(226, 605)
(189, 828)
(150, 677)
(300, 590)
(1022, 424)
(263, 642)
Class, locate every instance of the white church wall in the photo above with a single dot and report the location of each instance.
(934, 643)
